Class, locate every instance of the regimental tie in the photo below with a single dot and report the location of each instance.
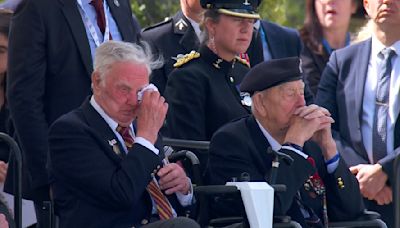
(379, 131)
(163, 206)
(100, 15)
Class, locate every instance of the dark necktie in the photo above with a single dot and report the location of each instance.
(163, 206)
(379, 131)
(100, 15)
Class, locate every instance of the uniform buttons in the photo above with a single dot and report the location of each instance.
(144, 221)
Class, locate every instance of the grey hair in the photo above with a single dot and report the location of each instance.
(111, 52)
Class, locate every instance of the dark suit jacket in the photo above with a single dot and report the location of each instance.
(282, 42)
(169, 39)
(240, 147)
(92, 185)
(341, 91)
(313, 66)
(49, 71)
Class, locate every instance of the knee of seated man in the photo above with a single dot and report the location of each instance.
(183, 222)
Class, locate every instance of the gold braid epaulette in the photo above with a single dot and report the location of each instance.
(181, 60)
(242, 61)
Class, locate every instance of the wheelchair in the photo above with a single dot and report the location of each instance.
(204, 192)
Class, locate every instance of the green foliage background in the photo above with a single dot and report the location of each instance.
(285, 12)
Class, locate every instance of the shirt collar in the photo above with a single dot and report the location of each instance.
(378, 46)
(112, 123)
(195, 26)
(274, 144)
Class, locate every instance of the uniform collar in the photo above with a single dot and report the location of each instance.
(214, 60)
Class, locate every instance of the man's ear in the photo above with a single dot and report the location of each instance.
(96, 80)
(259, 104)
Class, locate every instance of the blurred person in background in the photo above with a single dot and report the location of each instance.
(325, 29)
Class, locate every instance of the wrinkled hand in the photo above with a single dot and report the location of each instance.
(305, 122)
(151, 115)
(173, 179)
(384, 196)
(3, 221)
(3, 171)
(322, 137)
(371, 178)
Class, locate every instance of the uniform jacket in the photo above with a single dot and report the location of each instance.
(170, 38)
(240, 147)
(49, 72)
(92, 185)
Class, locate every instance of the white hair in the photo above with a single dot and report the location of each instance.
(111, 52)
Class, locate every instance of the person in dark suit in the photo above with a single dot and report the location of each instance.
(325, 29)
(320, 187)
(52, 43)
(273, 41)
(176, 36)
(202, 91)
(103, 164)
(351, 88)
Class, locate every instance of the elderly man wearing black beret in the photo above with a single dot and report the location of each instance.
(320, 187)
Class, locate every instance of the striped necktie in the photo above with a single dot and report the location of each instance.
(163, 206)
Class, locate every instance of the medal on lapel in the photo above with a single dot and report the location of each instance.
(115, 146)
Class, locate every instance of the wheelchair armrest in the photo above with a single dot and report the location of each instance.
(215, 190)
(222, 222)
(366, 219)
(182, 154)
(368, 215)
(279, 187)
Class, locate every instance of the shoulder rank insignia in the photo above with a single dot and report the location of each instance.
(181, 25)
(183, 59)
(242, 61)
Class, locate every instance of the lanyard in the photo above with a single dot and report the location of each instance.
(91, 27)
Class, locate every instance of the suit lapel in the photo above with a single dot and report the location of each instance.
(360, 67)
(274, 42)
(261, 143)
(182, 26)
(103, 130)
(74, 19)
(120, 17)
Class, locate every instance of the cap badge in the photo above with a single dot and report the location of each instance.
(246, 2)
(246, 99)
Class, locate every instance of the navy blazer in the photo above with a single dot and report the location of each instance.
(92, 185)
(240, 147)
(49, 72)
(282, 42)
(341, 91)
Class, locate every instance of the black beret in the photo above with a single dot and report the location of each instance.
(271, 73)
(237, 8)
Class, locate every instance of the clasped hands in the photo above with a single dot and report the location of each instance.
(372, 180)
(312, 122)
